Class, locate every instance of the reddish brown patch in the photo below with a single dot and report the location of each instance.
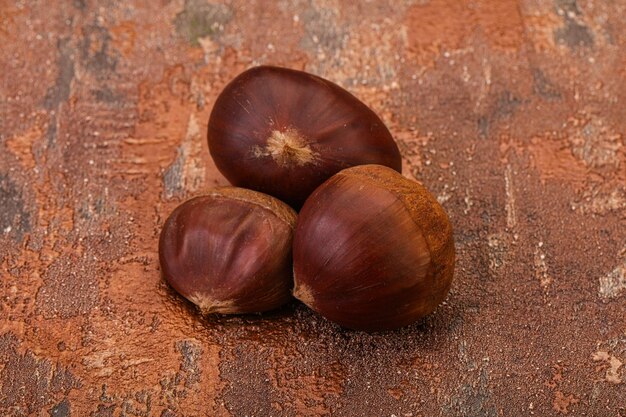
(554, 160)
(439, 25)
(124, 35)
(562, 402)
(436, 25)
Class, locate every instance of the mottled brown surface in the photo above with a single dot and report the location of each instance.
(512, 112)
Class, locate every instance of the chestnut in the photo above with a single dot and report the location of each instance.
(229, 251)
(284, 132)
(372, 250)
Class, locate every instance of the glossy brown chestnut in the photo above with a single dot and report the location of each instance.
(372, 250)
(284, 132)
(230, 251)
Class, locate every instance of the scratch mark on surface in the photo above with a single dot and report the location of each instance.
(467, 200)
(186, 173)
(511, 218)
(541, 269)
(242, 106)
(485, 86)
(498, 251)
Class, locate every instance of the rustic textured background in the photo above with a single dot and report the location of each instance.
(512, 112)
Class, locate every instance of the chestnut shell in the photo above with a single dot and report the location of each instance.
(372, 250)
(284, 132)
(230, 251)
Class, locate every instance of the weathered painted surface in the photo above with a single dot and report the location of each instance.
(511, 112)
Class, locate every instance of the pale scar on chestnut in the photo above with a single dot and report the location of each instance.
(208, 305)
(286, 148)
(303, 293)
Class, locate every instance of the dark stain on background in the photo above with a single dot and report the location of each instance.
(62, 409)
(574, 34)
(544, 87)
(200, 19)
(22, 370)
(95, 51)
(60, 91)
(14, 215)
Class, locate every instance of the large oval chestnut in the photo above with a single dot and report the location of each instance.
(372, 250)
(284, 132)
(230, 251)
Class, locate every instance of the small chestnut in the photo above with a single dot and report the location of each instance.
(372, 250)
(230, 251)
(284, 132)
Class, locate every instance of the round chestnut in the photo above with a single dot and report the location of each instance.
(284, 132)
(230, 251)
(372, 250)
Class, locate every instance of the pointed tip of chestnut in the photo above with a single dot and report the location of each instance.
(284, 132)
(229, 251)
(372, 250)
